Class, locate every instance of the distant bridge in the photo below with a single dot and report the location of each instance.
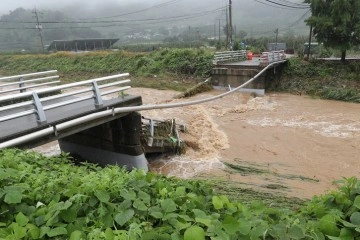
(232, 68)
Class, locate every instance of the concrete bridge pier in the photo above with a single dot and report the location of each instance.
(235, 74)
(115, 142)
(230, 76)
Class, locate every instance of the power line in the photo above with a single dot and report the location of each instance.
(294, 3)
(280, 5)
(283, 28)
(274, 6)
(301, 18)
(188, 16)
(120, 23)
(284, 5)
(39, 27)
(138, 11)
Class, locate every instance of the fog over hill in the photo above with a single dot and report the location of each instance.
(123, 18)
(249, 15)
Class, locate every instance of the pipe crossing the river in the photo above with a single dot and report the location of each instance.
(62, 126)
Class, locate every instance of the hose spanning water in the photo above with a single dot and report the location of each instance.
(62, 126)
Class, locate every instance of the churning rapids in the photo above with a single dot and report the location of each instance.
(295, 144)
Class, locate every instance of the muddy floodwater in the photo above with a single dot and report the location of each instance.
(285, 143)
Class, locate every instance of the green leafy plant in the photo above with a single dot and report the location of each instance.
(51, 198)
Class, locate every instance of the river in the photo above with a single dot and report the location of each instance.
(284, 143)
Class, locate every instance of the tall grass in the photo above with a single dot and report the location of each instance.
(187, 62)
(324, 79)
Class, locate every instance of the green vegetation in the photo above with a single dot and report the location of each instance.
(181, 69)
(336, 23)
(51, 198)
(146, 69)
(324, 79)
(198, 88)
(245, 168)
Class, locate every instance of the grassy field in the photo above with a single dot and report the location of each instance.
(165, 69)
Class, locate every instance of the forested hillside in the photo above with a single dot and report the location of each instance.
(144, 21)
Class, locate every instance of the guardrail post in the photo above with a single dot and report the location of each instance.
(21, 85)
(39, 108)
(97, 94)
(151, 137)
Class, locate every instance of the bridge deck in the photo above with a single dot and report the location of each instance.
(253, 62)
(247, 64)
(24, 125)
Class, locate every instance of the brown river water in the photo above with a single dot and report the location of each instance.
(284, 143)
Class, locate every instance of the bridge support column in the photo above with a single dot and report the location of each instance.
(116, 142)
(225, 77)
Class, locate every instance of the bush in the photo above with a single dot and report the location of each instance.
(325, 79)
(43, 198)
(184, 62)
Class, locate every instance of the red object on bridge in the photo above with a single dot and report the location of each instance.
(249, 56)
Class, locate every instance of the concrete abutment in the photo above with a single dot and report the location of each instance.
(231, 76)
(116, 142)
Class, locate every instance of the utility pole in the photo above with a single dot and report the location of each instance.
(39, 27)
(234, 32)
(215, 30)
(199, 39)
(230, 26)
(309, 47)
(227, 28)
(276, 38)
(219, 30)
(190, 35)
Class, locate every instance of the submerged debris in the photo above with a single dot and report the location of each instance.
(199, 88)
(162, 136)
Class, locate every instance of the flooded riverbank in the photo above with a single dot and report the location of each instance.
(285, 143)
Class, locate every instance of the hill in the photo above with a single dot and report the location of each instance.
(142, 21)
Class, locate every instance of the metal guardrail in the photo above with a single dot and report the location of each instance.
(20, 83)
(37, 102)
(273, 56)
(229, 56)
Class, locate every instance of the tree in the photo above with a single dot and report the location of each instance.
(242, 34)
(336, 23)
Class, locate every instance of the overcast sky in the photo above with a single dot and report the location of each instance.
(9, 5)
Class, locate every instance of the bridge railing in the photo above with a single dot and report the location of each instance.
(229, 56)
(90, 89)
(21, 83)
(273, 56)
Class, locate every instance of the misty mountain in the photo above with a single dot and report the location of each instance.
(142, 20)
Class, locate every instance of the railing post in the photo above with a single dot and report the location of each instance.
(97, 94)
(21, 85)
(39, 108)
(151, 137)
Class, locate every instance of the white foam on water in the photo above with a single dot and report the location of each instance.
(324, 128)
(253, 104)
(203, 138)
(183, 167)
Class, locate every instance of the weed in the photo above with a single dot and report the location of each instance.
(51, 198)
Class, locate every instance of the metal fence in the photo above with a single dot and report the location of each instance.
(90, 89)
(273, 56)
(229, 56)
(21, 83)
